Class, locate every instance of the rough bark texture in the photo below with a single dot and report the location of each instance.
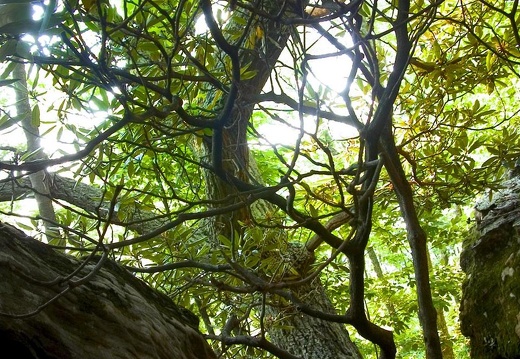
(308, 337)
(301, 334)
(490, 307)
(111, 315)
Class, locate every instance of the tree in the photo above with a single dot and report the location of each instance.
(165, 115)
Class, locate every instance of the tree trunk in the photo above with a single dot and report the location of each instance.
(86, 197)
(417, 240)
(39, 180)
(51, 310)
(302, 334)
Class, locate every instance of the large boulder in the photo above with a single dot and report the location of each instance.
(490, 306)
(52, 308)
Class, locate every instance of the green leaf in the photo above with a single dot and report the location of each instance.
(476, 106)
(437, 50)
(8, 121)
(224, 241)
(313, 210)
(490, 60)
(24, 226)
(101, 104)
(252, 260)
(31, 155)
(247, 75)
(131, 169)
(8, 82)
(35, 116)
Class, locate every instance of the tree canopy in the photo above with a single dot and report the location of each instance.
(242, 156)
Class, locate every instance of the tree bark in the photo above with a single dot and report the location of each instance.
(49, 309)
(302, 334)
(418, 243)
(39, 180)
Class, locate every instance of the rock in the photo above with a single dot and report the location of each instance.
(490, 305)
(47, 311)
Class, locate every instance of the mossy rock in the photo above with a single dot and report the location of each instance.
(490, 306)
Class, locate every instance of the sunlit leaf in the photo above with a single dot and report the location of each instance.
(35, 116)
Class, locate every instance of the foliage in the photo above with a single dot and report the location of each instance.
(205, 138)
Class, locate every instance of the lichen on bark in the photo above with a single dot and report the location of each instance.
(490, 306)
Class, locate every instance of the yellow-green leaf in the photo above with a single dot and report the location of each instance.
(35, 116)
